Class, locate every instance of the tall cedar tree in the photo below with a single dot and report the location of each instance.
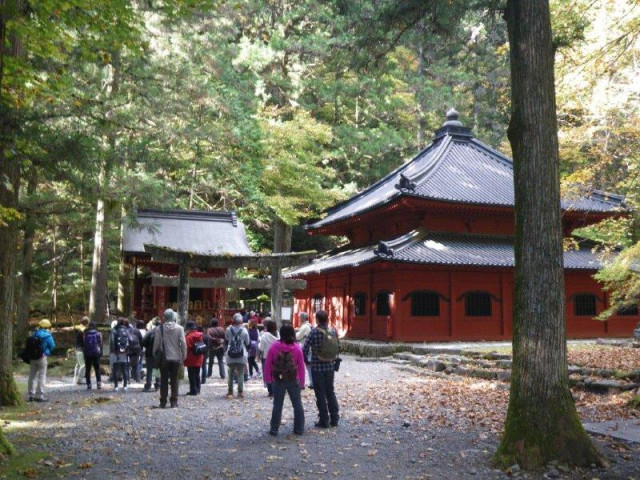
(542, 422)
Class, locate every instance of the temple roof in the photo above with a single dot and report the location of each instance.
(434, 248)
(457, 168)
(198, 232)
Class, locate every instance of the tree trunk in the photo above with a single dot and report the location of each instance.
(124, 275)
(98, 294)
(542, 422)
(183, 294)
(54, 274)
(24, 302)
(281, 244)
(9, 184)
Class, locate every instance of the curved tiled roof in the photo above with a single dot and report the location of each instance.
(199, 232)
(457, 168)
(434, 248)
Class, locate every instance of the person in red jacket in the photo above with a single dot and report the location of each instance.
(193, 362)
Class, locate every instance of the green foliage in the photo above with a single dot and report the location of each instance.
(622, 280)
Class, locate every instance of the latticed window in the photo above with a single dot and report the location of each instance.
(383, 304)
(584, 305)
(318, 303)
(629, 311)
(477, 304)
(359, 304)
(425, 304)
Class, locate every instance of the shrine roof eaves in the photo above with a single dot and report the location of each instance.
(436, 248)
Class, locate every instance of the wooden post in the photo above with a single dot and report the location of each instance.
(276, 294)
(183, 293)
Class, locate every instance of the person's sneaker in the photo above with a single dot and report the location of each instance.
(88, 387)
(273, 434)
(229, 395)
(41, 399)
(240, 395)
(99, 387)
(116, 389)
(124, 389)
(333, 424)
(147, 388)
(321, 425)
(30, 399)
(174, 404)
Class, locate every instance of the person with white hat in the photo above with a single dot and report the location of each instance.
(38, 366)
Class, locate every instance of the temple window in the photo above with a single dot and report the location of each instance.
(383, 303)
(425, 303)
(477, 304)
(584, 305)
(359, 304)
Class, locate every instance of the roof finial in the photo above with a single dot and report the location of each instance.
(452, 118)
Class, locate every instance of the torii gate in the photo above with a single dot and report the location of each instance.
(275, 262)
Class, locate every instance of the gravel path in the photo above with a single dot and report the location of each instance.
(115, 435)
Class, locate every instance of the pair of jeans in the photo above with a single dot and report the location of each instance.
(117, 368)
(326, 401)
(194, 380)
(37, 374)
(235, 369)
(293, 389)
(219, 354)
(253, 365)
(149, 377)
(134, 361)
(95, 363)
(169, 374)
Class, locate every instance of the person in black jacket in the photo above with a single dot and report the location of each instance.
(135, 352)
(149, 359)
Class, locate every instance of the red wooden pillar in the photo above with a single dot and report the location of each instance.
(452, 304)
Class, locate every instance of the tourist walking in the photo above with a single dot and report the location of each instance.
(194, 360)
(135, 348)
(267, 338)
(170, 351)
(149, 359)
(92, 351)
(284, 369)
(215, 338)
(301, 336)
(254, 337)
(238, 342)
(323, 346)
(79, 369)
(38, 366)
(119, 349)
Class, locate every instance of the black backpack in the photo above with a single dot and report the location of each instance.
(285, 368)
(122, 340)
(236, 349)
(92, 346)
(33, 347)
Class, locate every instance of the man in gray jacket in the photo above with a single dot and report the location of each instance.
(169, 343)
(237, 344)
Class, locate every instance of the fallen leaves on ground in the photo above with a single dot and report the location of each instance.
(605, 357)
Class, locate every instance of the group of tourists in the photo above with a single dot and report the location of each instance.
(288, 358)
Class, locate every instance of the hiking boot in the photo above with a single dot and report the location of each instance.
(240, 395)
(321, 425)
(174, 404)
(147, 388)
(30, 399)
(41, 399)
(229, 395)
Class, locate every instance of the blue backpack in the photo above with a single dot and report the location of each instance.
(92, 344)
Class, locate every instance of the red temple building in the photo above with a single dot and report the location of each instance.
(156, 284)
(430, 254)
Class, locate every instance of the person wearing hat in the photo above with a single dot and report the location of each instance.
(238, 342)
(38, 368)
(170, 348)
(193, 362)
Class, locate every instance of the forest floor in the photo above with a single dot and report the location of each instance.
(396, 423)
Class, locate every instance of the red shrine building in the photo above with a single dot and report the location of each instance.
(200, 232)
(431, 251)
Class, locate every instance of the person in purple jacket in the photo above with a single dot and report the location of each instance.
(285, 370)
